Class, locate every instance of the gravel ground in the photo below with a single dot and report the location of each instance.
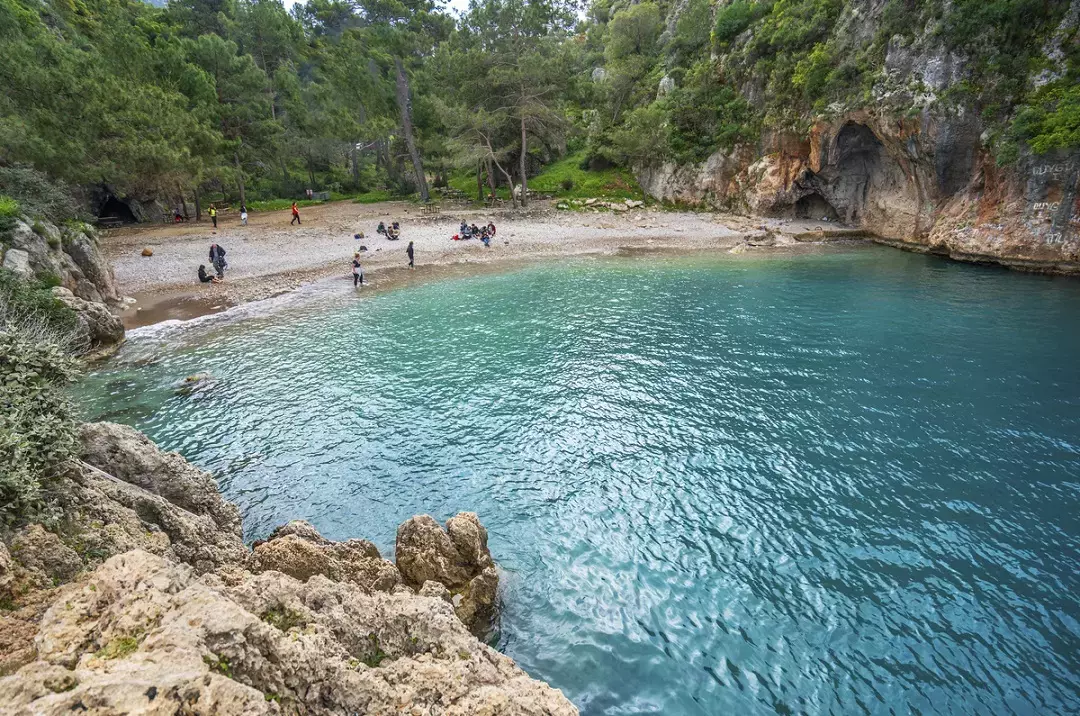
(270, 256)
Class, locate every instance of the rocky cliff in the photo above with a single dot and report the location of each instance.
(920, 159)
(71, 258)
(140, 597)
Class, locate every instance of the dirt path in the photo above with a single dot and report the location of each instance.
(270, 256)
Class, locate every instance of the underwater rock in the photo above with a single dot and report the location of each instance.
(192, 383)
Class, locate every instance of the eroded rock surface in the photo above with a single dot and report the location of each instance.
(145, 635)
(298, 550)
(456, 557)
(37, 249)
(180, 617)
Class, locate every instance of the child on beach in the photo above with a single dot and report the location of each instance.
(410, 254)
(295, 215)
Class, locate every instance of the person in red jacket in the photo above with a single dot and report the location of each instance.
(295, 215)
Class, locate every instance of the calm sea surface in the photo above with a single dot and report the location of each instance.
(845, 483)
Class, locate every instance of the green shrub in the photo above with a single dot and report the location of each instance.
(732, 20)
(9, 208)
(20, 298)
(567, 184)
(38, 428)
(36, 193)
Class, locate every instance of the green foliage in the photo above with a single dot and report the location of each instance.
(284, 618)
(1053, 121)
(733, 19)
(8, 207)
(35, 193)
(374, 655)
(38, 429)
(614, 183)
(118, 648)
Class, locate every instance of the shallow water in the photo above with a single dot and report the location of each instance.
(845, 483)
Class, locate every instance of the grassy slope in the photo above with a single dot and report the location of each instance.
(615, 183)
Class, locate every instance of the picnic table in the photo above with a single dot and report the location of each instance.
(430, 209)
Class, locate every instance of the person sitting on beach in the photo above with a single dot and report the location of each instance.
(381, 229)
(357, 271)
(205, 277)
(491, 230)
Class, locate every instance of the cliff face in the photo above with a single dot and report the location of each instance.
(143, 598)
(913, 162)
(72, 258)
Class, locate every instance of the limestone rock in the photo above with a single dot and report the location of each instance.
(101, 326)
(130, 456)
(18, 261)
(298, 550)
(147, 251)
(43, 552)
(457, 557)
(144, 635)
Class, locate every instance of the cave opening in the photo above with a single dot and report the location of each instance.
(815, 206)
(860, 160)
(116, 211)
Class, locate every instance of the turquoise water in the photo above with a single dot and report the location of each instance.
(844, 483)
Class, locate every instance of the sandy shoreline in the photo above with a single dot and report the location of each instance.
(269, 257)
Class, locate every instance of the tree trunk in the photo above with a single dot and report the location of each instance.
(183, 202)
(240, 179)
(198, 206)
(524, 179)
(405, 104)
(479, 182)
(355, 167)
(491, 177)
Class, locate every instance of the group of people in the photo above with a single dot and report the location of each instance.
(217, 260)
(179, 217)
(393, 233)
(484, 233)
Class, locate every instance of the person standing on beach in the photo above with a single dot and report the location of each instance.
(357, 271)
(295, 215)
(409, 253)
(217, 259)
(213, 215)
(243, 214)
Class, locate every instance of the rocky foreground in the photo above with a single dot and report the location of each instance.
(140, 597)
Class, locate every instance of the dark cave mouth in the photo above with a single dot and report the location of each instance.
(815, 207)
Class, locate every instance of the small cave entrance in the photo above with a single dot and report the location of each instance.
(114, 211)
(814, 206)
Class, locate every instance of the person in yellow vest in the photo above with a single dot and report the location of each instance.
(213, 215)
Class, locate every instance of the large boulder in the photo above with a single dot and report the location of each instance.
(298, 550)
(143, 635)
(99, 283)
(127, 454)
(101, 326)
(18, 261)
(457, 557)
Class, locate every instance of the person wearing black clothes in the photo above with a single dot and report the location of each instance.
(409, 253)
(217, 258)
(357, 271)
(205, 277)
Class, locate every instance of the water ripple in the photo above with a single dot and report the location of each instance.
(838, 484)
